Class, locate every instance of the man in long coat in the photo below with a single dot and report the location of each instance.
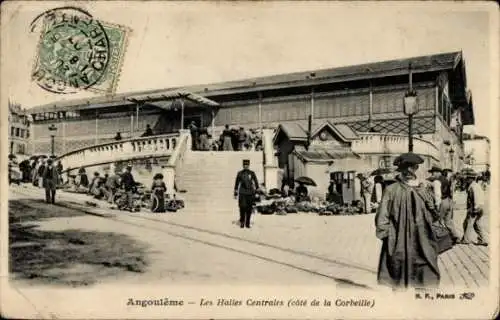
(403, 222)
(50, 180)
(245, 188)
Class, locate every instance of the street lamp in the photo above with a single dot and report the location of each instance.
(410, 103)
(52, 129)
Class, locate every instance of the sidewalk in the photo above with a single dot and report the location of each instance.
(347, 241)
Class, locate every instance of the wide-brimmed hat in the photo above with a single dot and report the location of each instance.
(246, 162)
(435, 169)
(158, 176)
(407, 159)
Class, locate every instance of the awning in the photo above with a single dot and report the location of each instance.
(164, 99)
(326, 155)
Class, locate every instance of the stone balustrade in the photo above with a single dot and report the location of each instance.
(270, 160)
(381, 143)
(173, 170)
(123, 150)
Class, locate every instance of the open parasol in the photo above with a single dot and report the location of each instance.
(381, 171)
(306, 181)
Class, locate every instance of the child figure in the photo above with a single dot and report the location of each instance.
(158, 190)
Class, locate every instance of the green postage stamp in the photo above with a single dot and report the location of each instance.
(78, 52)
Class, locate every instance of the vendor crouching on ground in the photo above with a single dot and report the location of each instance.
(112, 185)
(409, 256)
(302, 193)
(158, 190)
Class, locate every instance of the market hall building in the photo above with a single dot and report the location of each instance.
(358, 121)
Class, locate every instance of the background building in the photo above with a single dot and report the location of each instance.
(19, 130)
(356, 108)
(477, 152)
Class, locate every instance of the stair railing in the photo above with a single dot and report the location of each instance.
(173, 169)
(270, 161)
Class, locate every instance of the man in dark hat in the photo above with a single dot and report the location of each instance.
(409, 256)
(443, 195)
(245, 188)
(50, 179)
(475, 211)
(194, 135)
(128, 183)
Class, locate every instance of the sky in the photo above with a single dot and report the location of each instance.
(181, 43)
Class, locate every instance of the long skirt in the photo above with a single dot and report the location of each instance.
(227, 145)
(159, 201)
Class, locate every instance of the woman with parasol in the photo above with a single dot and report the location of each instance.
(301, 192)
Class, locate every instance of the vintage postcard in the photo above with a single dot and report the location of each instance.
(250, 159)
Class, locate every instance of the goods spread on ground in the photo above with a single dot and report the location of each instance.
(275, 204)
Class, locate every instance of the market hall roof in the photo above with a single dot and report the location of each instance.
(452, 61)
(295, 132)
(158, 99)
(325, 155)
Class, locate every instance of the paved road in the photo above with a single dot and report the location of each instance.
(203, 248)
(187, 256)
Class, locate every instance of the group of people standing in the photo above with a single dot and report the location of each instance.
(231, 139)
(48, 175)
(239, 139)
(406, 218)
(200, 138)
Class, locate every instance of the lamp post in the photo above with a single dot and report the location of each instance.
(410, 103)
(52, 129)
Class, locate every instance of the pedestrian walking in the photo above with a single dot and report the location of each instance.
(409, 255)
(366, 191)
(50, 179)
(128, 183)
(227, 144)
(447, 204)
(475, 212)
(245, 189)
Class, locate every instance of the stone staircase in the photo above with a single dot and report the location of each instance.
(208, 178)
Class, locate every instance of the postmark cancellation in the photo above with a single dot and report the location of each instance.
(78, 52)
